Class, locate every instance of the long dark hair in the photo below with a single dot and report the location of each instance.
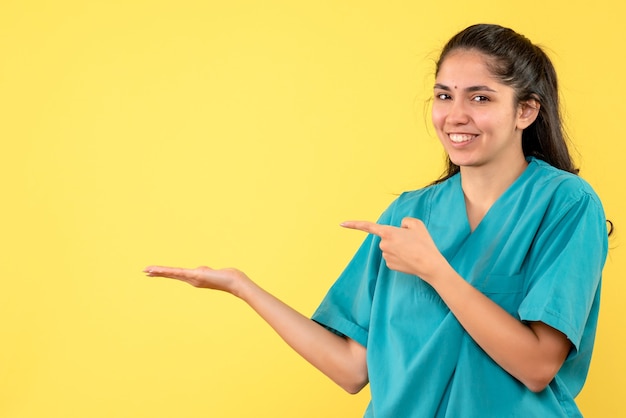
(525, 67)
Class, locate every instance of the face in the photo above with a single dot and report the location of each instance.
(476, 117)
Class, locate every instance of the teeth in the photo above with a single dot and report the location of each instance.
(460, 137)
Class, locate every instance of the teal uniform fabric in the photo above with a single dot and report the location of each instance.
(538, 253)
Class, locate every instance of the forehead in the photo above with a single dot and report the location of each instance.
(465, 67)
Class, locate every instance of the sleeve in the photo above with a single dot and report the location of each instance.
(564, 278)
(347, 306)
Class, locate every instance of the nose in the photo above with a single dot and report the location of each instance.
(458, 112)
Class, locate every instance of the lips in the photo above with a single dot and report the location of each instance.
(461, 138)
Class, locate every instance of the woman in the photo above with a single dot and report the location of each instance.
(477, 295)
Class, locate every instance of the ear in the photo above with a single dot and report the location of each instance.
(527, 113)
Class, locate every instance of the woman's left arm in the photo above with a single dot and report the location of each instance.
(532, 353)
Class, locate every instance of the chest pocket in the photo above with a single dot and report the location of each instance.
(501, 283)
(504, 289)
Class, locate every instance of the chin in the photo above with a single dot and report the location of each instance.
(463, 162)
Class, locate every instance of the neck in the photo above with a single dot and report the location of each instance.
(482, 186)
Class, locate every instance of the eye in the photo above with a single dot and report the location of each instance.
(480, 99)
(442, 96)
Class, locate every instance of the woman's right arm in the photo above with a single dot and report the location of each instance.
(341, 359)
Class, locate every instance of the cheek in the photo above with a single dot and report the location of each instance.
(496, 122)
(438, 116)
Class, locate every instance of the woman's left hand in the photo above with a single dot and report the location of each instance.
(408, 249)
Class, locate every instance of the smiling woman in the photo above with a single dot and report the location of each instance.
(479, 294)
(477, 118)
(511, 62)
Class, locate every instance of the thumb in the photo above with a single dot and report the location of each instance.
(410, 223)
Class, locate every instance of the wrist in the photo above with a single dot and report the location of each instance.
(242, 287)
(439, 271)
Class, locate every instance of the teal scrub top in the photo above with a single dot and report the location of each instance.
(538, 253)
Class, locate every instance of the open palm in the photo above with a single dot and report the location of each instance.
(204, 277)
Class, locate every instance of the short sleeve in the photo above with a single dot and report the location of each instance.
(346, 308)
(565, 271)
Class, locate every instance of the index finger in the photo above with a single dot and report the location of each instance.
(169, 272)
(365, 226)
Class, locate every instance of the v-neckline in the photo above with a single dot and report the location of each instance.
(497, 202)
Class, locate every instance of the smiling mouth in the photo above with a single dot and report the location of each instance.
(461, 138)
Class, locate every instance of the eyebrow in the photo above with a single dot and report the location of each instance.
(467, 89)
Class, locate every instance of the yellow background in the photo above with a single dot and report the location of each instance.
(238, 133)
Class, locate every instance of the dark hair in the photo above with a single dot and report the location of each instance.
(525, 67)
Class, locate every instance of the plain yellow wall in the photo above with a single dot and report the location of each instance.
(238, 133)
